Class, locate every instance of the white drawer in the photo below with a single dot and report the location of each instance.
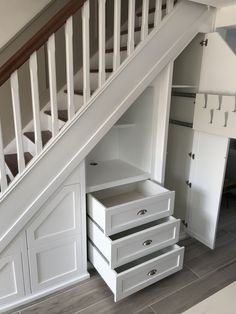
(127, 206)
(134, 276)
(129, 245)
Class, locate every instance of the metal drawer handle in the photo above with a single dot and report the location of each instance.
(147, 242)
(142, 212)
(152, 272)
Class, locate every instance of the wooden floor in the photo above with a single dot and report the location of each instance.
(205, 272)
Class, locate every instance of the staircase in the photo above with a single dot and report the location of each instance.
(61, 134)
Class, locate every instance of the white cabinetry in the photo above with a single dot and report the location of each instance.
(132, 236)
(51, 253)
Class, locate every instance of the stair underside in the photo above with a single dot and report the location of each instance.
(102, 112)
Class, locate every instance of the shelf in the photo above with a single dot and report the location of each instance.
(123, 125)
(187, 89)
(111, 173)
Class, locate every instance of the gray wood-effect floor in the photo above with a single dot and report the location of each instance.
(205, 272)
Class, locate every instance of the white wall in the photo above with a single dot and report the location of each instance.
(15, 14)
(216, 3)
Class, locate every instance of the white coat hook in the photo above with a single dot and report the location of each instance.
(234, 104)
(211, 116)
(220, 102)
(226, 119)
(206, 100)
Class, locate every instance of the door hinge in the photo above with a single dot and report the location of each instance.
(204, 43)
(191, 155)
(189, 184)
(185, 223)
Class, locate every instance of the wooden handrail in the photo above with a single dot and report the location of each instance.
(39, 39)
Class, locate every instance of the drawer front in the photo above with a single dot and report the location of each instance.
(148, 273)
(128, 247)
(132, 277)
(145, 242)
(131, 215)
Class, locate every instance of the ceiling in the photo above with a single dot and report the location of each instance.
(217, 3)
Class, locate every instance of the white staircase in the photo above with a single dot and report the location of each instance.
(60, 136)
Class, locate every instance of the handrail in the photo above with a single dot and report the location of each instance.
(40, 38)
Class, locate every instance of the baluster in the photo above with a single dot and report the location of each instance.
(53, 84)
(70, 67)
(102, 42)
(131, 23)
(145, 15)
(35, 102)
(169, 6)
(117, 21)
(158, 13)
(86, 54)
(17, 121)
(2, 164)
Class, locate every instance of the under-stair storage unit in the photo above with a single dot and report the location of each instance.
(50, 253)
(132, 235)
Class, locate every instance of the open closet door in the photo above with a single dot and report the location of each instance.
(205, 186)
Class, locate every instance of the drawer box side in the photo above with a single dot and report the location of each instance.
(96, 211)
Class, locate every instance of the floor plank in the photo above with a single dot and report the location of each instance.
(196, 292)
(143, 298)
(73, 300)
(146, 310)
(213, 259)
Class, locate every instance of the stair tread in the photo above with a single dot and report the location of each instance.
(79, 92)
(11, 161)
(137, 29)
(109, 50)
(151, 10)
(46, 136)
(62, 114)
(97, 70)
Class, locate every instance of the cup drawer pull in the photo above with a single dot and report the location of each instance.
(142, 212)
(152, 272)
(147, 242)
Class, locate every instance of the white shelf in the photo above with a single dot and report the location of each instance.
(123, 125)
(112, 173)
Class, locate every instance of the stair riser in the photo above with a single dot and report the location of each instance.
(93, 81)
(109, 60)
(138, 20)
(124, 39)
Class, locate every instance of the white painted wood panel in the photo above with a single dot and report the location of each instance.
(11, 278)
(17, 121)
(180, 142)
(134, 243)
(35, 102)
(56, 262)
(59, 217)
(218, 70)
(207, 177)
(70, 67)
(86, 51)
(53, 84)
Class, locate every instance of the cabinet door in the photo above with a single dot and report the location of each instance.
(180, 143)
(55, 263)
(207, 177)
(14, 280)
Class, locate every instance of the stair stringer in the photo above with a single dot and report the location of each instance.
(26, 196)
